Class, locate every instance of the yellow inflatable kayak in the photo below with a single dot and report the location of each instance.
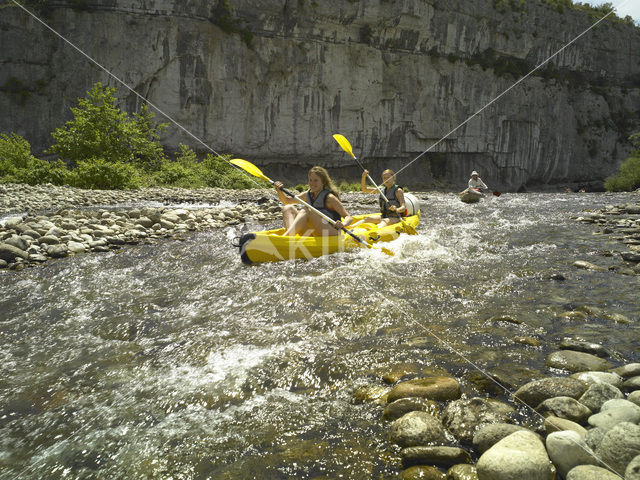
(272, 246)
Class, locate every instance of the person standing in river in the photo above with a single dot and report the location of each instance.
(393, 208)
(323, 196)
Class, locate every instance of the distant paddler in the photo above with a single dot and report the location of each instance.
(476, 183)
(322, 195)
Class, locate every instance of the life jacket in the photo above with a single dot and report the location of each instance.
(390, 194)
(319, 204)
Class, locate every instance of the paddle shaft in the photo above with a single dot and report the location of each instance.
(327, 218)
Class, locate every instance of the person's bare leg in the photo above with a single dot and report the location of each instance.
(374, 219)
(289, 213)
(299, 225)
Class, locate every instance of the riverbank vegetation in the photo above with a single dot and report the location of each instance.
(103, 147)
(628, 176)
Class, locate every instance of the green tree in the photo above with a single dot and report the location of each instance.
(628, 176)
(100, 129)
(17, 165)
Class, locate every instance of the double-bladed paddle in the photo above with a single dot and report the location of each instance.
(346, 146)
(256, 172)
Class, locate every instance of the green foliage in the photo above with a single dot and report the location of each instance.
(99, 129)
(349, 187)
(628, 176)
(17, 165)
(101, 174)
(218, 172)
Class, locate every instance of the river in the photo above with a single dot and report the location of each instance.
(175, 360)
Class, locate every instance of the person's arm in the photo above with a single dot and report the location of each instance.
(284, 198)
(400, 197)
(363, 183)
(471, 182)
(482, 184)
(336, 205)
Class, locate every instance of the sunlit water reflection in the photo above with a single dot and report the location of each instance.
(175, 360)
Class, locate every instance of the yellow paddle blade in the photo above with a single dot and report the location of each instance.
(408, 228)
(250, 168)
(344, 143)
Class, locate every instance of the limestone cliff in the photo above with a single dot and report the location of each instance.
(271, 81)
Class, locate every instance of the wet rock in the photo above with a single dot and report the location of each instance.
(597, 394)
(594, 437)
(397, 409)
(629, 370)
(17, 242)
(634, 397)
(598, 377)
(433, 388)
(371, 393)
(586, 347)
(75, 247)
(520, 455)
(488, 435)
(9, 253)
(422, 472)
(464, 417)
(504, 319)
(632, 383)
(615, 411)
(534, 393)
(632, 471)
(48, 240)
(620, 446)
(591, 472)
(557, 424)
(588, 266)
(418, 428)
(58, 251)
(617, 318)
(564, 407)
(532, 342)
(568, 450)
(438, 456)
(574, 315)
(576, 361)
(3, 263)
(630, 257)
(462, 472)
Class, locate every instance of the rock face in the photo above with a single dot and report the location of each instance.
(273, 80)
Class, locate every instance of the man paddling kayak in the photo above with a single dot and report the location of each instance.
(322, 195)
(476, 183)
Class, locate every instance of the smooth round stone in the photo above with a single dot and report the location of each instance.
(437, 455)
(462, 471)
(557, 424)
(418, 428)
(422, 472)
(535, 392)
(568, 450)
(521, 455)
(591, 472)
(620, 446)
(488, 435)
(629, 370)
(632, 383)
(397, 409)
(565, 407)
(434, 388)
(576, 361)
(597, 394)
(599, 377)
(632, 471)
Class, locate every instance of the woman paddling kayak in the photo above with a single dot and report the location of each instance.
(322, 195)
(393, 208)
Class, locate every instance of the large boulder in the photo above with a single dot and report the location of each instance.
(434, 388)
(620, 446)
(463, 417)
(534, 393)
(9, 253)
(418, 428)
(567, 450)
(576, 361)
(521, 455)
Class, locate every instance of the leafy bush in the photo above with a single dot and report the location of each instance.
(628, 176)
(218, 172)
(349, 187)
(17, 165)
(98, 173)
(99, 129)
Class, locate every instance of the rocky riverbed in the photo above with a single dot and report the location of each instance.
(39, 223)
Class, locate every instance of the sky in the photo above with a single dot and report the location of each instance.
(628, 7)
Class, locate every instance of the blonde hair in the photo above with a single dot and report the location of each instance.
(326, 179)
(393, 174)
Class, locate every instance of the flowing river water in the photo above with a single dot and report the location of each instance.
(175, 360)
